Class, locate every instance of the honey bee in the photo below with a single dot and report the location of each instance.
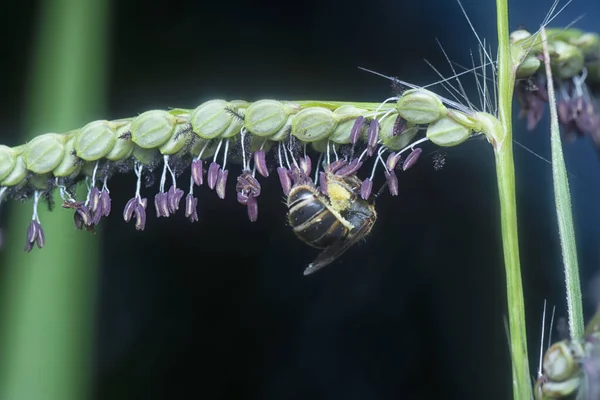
(332, 221)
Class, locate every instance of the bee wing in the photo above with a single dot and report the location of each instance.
(331, 253)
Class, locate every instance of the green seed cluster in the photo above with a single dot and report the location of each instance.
(571, 50)
(196, 133)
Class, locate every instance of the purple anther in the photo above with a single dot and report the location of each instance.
(392, 161)
(161, 204)
(197, 172)
(365, 189)
(350, 169)
(356, 129)
(411, 159)
(129, 209)
(323, 182)
(213, 174)
(35, 234)
(261, 163)
(252, 205)
(306, 165)
(285, 180)
(242, 198)
(174, 197)
(190, 208)
(399, 126)
(336, 165)
(222, 183)
(106, 202)
(392, 181)
(82, 217)
(140, 216)
(94, 197)
(372, 137)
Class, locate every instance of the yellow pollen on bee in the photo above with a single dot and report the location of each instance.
(340, 199)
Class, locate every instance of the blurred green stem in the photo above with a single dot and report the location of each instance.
(47, 330)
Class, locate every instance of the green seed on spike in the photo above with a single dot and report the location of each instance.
(210, 119)
(70, 164)
(313, 124)
(152, 129)
(95, 140)
(447, 132)
(7, 161)
(420, 106)
(44, 153)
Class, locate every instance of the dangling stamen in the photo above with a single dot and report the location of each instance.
(163, 177)
(317, 168)
(395, 98)
(287, 160)
(137, 169)
(217, 151)
(35, 233)
(243, 137)
(378, 159)
(335, 152)
(290, 149)
(328, 158)
(279, 155)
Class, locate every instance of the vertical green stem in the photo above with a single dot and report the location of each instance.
(46, 331)
(563, 210)
(506, 187)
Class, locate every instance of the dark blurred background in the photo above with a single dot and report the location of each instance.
(219, 309)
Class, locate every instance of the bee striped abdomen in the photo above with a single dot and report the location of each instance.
(311, 220)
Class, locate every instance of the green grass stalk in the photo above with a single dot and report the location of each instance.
(46, 331)
(502, 143)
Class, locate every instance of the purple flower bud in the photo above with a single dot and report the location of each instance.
(285, 180)
(365, 189)
(392, 161)
(306, 165)
(356, 129)
(197, 172)
(190, 208)
(399, 126)
(213, 174)
(350, 169)
(174, 197)
(252, 208)
(411, 159)
(242, 198)
(94, 202)
(261, 163)
(222, 183)
(323, 182)
(392, 181)
(129, 209)
(372, 137)
(106, 202)
(161, 204)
